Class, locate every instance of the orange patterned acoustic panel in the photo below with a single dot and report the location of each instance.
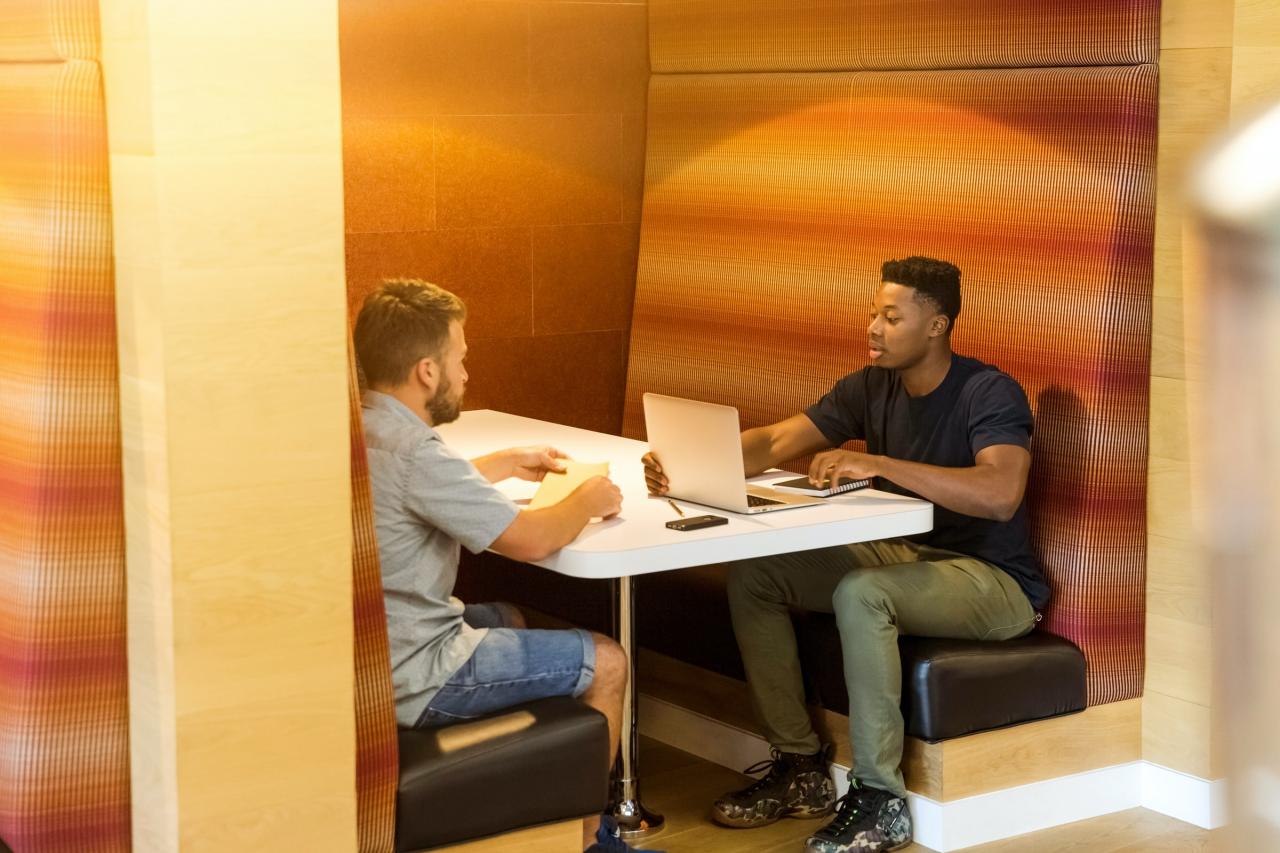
(377, 756)
(44, 30)
(771, 201)
(850, 35)
(64, 717)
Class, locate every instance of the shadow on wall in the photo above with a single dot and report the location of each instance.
(1056, 487)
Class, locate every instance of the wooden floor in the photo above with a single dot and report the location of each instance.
(681, 787)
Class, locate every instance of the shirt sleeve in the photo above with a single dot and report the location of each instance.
(841, 413)
(448, 492)
(999, 414)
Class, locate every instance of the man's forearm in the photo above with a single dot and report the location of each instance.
(564, 521)
(757, 451)
(981, 491)
(495, 467)
(538, 533)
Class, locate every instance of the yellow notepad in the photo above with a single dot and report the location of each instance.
(555, 487)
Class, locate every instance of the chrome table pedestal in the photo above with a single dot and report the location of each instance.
(634, 820)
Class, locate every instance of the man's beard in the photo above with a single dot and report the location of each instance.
(441, 408)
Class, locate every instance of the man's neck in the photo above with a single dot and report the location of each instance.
(412, 401)
(926, 375)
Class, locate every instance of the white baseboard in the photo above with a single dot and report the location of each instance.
(981, 819)
(696, 734)
(984, 818)
(1202, 802)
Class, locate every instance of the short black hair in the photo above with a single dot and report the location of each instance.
(931, 279)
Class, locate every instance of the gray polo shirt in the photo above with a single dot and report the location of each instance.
(427, 500)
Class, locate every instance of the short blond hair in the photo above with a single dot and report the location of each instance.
(402, 322)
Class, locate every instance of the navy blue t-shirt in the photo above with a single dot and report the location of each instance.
(975, 407)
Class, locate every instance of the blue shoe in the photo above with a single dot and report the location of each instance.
(609, 841)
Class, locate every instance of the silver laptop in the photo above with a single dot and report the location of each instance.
(700, 448)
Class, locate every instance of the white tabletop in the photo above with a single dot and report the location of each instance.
(637, 541)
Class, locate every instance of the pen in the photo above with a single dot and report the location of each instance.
(679, 512)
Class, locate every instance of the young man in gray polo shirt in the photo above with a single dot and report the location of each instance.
(451, 661)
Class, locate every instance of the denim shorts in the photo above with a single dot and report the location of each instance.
(512, 666)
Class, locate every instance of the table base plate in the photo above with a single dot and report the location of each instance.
(635, 821)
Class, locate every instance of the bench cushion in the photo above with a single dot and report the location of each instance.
(956, 687)
(536, 763)
(952, 688)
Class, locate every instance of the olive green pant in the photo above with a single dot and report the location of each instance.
(875, 590)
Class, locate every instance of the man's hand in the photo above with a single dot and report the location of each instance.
(536, 534)
(832, 465)
(533, 463)
(599, 496)
(653, 476)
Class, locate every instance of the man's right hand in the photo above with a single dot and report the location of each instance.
(599, 496)
(536, 534)
(654, 479)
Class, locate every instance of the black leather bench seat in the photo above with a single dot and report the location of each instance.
(952, 688)
(537, 763)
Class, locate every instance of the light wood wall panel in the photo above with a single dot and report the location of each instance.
(225, 137)
(1219, 62)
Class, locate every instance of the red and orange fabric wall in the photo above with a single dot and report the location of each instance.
(64, 754)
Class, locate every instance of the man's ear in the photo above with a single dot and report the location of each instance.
(427, 374)
(939, 325)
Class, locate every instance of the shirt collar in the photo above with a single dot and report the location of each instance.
(378, 401)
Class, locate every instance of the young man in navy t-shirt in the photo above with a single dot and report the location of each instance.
(946, 428)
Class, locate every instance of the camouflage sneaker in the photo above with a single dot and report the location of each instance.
(868, 821)
(793, 786)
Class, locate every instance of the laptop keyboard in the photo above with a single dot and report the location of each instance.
(756, 500)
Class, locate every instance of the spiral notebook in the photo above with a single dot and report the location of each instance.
(802, 484)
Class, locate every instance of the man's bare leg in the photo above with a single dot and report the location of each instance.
(605, 695)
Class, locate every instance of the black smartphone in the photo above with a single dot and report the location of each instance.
(697, 522)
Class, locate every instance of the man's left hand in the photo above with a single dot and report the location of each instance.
(533, 463)
(832, 465)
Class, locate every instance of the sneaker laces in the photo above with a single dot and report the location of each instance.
(776, 765)
(849, 808)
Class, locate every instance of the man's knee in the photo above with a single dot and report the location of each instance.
(751, 579)
(612, 667)
(861, 591)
